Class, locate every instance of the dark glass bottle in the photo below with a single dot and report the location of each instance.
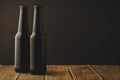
(21, 61)
(37, 45)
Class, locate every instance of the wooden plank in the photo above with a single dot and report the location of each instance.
(7, 72)
(58, 72)
(83, 72)
(108, 72)
(27, 76)
(64, 72)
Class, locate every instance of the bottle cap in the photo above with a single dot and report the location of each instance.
(21, 6)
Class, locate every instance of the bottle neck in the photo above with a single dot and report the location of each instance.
(35, 19)
(20, 19)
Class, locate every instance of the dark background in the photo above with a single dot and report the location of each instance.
(78, 31)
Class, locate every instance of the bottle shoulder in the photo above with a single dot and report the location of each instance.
(35, 34)
(20, 34)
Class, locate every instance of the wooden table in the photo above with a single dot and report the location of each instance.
(65, 72)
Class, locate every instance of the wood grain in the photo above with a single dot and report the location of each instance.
(27, 76)
(108, 72)
(59, 72)
(65, 72)
(83, 72)
(7, 72)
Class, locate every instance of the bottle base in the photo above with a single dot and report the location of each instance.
(38, 72)
(19, 70)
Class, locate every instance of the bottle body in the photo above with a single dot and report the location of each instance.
(21, 53)
(17, 50)
(37, 64)
(21, 61)
(36, 56)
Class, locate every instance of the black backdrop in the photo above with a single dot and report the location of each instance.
(78, 31)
